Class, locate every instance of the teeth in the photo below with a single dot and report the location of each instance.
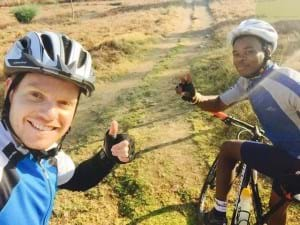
(41, 127)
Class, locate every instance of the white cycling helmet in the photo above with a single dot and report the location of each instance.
(53, 54)
(255, 27)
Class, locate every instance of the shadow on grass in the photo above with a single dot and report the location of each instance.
(187, 209)
(165, 118)
(156, 147)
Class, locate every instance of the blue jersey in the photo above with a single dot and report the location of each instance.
(27, 184)
(275, 98)
(30, 179)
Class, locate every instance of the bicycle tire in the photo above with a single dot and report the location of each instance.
(256, 202)
(255, 214)
(207, 193)
(244, 179)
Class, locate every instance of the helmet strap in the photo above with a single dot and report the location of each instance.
(6, 107)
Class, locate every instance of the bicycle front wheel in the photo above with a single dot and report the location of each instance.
(207, 193)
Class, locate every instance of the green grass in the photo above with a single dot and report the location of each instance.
(25, 13)
(131, 194)
(114, 57)
(164, 64)
(274, 10)
(137, 190)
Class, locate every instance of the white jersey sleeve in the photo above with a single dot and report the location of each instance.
(65, 167)
(236, 93)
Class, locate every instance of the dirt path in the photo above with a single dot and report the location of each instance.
(167, 156)
(192, 33)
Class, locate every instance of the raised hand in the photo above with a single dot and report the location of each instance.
(186, 88)
(119, 147)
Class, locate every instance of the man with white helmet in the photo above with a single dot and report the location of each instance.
(274, 93)
(46, 74)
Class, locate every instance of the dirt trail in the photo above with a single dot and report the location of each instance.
(192, 33)
(164, 128)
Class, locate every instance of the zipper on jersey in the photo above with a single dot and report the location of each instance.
(47, 179)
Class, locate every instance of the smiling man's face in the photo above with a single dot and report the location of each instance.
(248, 55)
(42, 109)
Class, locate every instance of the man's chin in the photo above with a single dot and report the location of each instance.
(38, 146)
(247, 75)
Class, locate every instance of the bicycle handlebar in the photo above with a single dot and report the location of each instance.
(221, 115)
(230, 120)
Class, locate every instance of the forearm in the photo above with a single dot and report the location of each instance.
(89, 173)
(211, 103)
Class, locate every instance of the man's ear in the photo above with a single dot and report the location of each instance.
(268, 50)
(8, 82)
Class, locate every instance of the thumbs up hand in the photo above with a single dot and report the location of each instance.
(119, 147)
(186, 88)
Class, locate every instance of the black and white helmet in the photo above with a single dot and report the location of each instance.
(255, 27)
(53, 54)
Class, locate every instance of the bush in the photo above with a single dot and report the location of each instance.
(24, 14)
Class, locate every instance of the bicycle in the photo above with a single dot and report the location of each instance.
(245, 177)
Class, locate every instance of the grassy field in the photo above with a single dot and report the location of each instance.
(278, 10)
(139, 48)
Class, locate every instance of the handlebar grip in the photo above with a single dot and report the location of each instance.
(220, 115)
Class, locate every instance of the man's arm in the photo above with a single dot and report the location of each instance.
(117, 148)
(89, 173)
(211, 103)
(187, 91)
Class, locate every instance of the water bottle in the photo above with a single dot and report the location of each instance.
(244, 207)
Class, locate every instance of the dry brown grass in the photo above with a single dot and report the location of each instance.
(229, 13)
(232, 10)
(22, 2)
(95, 22)
(100, 26)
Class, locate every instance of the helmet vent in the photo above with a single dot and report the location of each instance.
(24, 43)
(48, 45)
(51, 53)
(67, 47)
(82, 58)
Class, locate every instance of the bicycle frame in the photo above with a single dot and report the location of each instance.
(246, 174)
(249, 176)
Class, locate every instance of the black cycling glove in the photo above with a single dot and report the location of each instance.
(109, 141)
(188, 90)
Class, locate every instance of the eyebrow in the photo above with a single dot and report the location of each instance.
(35, 86)
(248, 47)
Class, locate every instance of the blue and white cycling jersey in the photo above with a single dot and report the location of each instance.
(275, 98)
(28, 186)
(29, 181)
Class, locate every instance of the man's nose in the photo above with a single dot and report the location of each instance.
(49, 111)
(242, 57)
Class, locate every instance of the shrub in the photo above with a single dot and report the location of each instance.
(24, 14)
